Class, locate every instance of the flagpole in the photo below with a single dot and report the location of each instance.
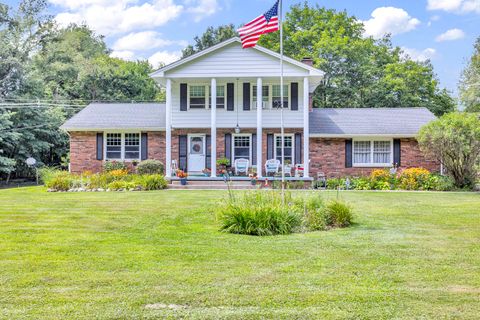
(282, 130)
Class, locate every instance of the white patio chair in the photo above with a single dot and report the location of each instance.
(241, 166)
(272, 166)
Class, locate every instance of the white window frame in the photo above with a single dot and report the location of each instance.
(207, 95)
(122, 152)
(372, 143)
(275, 146)
(270, 95)
(249, 135)
(224, 96)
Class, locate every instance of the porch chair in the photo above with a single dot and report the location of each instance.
(272, 166)
(241, 166)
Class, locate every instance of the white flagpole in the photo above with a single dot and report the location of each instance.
(282, 130)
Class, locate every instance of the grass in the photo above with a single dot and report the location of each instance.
(160, 255)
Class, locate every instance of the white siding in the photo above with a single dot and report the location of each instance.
(234, 61)
(200, 118)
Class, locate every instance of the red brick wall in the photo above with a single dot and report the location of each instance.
(83, 150)
(328, 156)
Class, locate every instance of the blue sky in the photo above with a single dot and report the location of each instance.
(441, 30)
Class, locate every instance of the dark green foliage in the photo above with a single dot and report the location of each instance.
(210, 37)
(153, 182)
(150, 167)
(114, 165)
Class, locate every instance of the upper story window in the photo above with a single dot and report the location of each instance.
(276, 96)
(265, 97)
(372, 153)
(197, 97)
(220, 97)
(287, 149)
(122, 146)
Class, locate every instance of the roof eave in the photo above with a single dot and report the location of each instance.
(362, 135)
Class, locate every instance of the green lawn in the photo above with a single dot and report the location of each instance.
(159, 254)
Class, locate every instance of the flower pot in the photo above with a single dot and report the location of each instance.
(183, 181)
(253, 182)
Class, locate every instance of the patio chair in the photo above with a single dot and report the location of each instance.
(241, 166)
(272, 166)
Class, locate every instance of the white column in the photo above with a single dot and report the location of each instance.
(259, 127)
(213, 124)
(306, 129)
(168, 129)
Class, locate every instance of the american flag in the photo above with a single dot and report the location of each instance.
(251, 32)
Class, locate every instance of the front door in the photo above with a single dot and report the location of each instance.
(196, 152)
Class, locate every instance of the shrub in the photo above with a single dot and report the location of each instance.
(413, 178)
(258, 213)
(336, 183)
(152, 182)
(150, 167)
(338, 214)
(116, 185)
(118, 174)
(439, 183)
(382, 179)
(58, 180)
(362, 183)
(314, 213)
(114, 165)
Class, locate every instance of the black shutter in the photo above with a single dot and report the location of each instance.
(298, 148)
(208, 152)
(228, 147)
(397, 153)
(246, 96)
(182, 152)
(100, 146)
(183, 97)
(230, 96)
(254, 149)
(270, 146)
(348, 153)
(144, 146)
(294, 94)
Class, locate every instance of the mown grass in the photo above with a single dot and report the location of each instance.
(160, 255)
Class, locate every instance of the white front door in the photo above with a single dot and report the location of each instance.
(196, 152)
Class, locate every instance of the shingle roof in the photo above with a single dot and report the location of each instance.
(369, 121)
(145, 116)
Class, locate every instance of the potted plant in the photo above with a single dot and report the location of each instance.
(222, 164)
(207, 172)
(253, 178)
(183, 177)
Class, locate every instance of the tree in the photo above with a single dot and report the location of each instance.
(210, 37)
(469, 86)
(454, 140)
(359, 71)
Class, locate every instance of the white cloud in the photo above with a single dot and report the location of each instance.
(110, 17)
(164, 57)
(450, 35)
(75, 4)
(144, 40)
(389, 20)
(125, 55)
(457, 6)
(202, 8)
(419, 55)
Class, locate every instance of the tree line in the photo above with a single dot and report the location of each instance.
(66, 68)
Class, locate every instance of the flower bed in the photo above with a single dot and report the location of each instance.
(117, 179)
(408, 179)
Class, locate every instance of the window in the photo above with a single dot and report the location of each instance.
(197, 97)
(122, 146)
(220, 97)
(287, 149)
(265, 96)
(372, 153)
(114, 146)
(276, 96)
(132, 146)
(242, 147)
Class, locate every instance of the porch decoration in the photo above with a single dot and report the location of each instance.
(253, 178)
(222, 164)
(183, 177)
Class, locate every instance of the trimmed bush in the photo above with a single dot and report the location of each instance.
(114, 165)
(338, 214)
(150, 167)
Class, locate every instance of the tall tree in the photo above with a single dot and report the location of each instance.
(470, 82)
(210, 37)
(359, 71)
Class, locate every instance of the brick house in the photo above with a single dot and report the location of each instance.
(233, 94)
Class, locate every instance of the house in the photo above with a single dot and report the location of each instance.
(227, 99)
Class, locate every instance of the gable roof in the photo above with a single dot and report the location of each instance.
(160, 72)
(349, 122)
(118, 116)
